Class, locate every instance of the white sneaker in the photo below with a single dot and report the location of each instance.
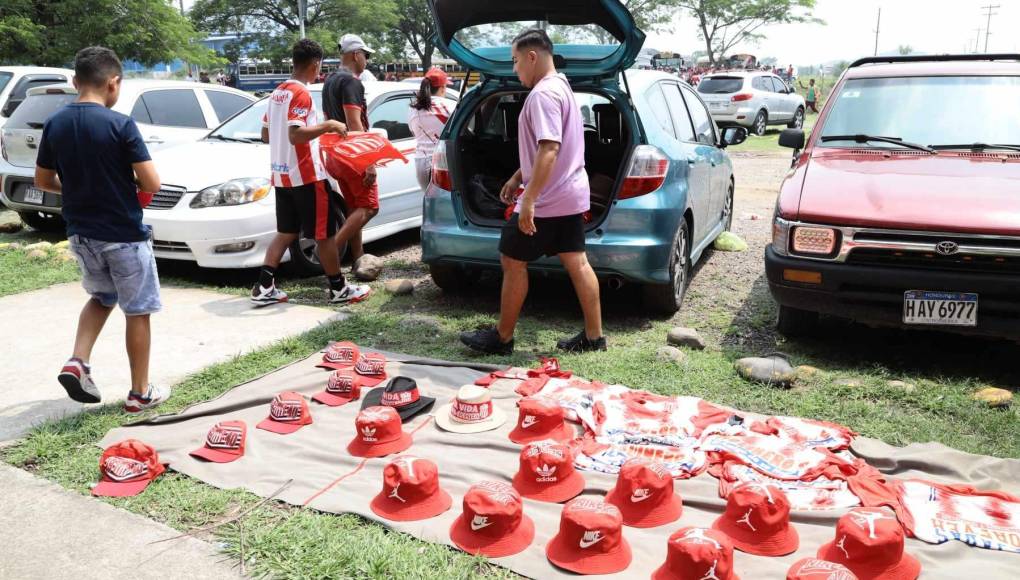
(76, 378)
(264, 296)
(350, 294)
(154, 396)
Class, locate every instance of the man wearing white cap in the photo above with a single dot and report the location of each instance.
(343, 99)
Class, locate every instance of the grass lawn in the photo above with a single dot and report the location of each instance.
(18, 273)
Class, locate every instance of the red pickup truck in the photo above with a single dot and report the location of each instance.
(903, 207)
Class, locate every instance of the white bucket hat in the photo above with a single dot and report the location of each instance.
(471, 411)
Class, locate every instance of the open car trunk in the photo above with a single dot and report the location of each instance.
(487, 156)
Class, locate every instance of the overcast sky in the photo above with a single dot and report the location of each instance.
(931, 26)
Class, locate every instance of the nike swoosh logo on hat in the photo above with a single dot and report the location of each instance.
(635, 498)
(585, 543)
(479, 524)
(528, 422)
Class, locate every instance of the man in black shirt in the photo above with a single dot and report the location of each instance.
(343, 99)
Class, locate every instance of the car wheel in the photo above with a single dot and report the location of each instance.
(794, 322)
(727, 212)
(304, 258)
(798, 119)
(43, 222)
(761, 123)
(668, 298)
(453, 279)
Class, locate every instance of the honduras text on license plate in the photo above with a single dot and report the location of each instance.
(940, 308)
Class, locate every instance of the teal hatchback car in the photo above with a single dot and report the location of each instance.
(662, 186)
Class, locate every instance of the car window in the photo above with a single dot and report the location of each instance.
(36, 109)
(660, 110)
(678, 111)
(174, 108)
(392, 115)
(780, 86)
(704, 129)
(22, 89)
(758, 83)
(140, 114)
(226, 104)
(5, 77)
(720, 85)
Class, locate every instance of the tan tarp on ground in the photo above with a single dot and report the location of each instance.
(316, 456)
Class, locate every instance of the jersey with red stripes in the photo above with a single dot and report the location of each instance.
(291, 105)
(428, 124)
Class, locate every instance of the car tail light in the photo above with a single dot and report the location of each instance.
(817, 241)
(440, 170)
(741, 97)
(647, 172)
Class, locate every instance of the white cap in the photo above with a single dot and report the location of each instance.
(352, 42)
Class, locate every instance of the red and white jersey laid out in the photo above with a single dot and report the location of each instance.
(777, 458)
(291, 105)
(818, 494)
(938, 513)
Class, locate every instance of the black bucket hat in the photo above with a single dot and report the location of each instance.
(401, 393)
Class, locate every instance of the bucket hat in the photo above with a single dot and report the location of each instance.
(342, 387)
(340, 355)
(695, 554)
(869, 541)
(547, 473)
(410, 491)
(757, 521)
(287, 413)
(590, 539)
(471, 411)
(815, 569)
(402, 394)
(127, 468)
(224, 442)
(379, 433)
(540, 418)
(493, 522)
(644, 493)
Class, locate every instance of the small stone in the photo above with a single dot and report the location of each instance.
(62, 245)
(671, 354)
(37, 255)
(994, 397)
(807, 372)
(14, 246)
(44, 246)
(368, 268)
(5, 246)
(730, 242)
(11, 227)
(688, 337)
(65, 256)
(906, 387)
(753, 217)
(772, 370)
(849, 383)
(421, 321)
(399, 287)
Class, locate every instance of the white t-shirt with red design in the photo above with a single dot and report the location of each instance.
(427, 125)
(291, 105)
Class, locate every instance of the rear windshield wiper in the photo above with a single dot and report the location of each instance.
(979, 146)
(877, 139)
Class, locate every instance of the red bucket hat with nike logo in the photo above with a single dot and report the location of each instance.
(644, 494)
(815, 569)
(590, 539)
(696, 554)
(287, 413)
(547, 472)
(493, 522)
(869, 541)
(410, 491)
(757, 521)
(340, 355)
(342, 387)
(540, 418)
(379, 433)
(224, 442)
(127, 469)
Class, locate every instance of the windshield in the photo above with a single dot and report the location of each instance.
(247, 125)
(927, 110)
(720, 85)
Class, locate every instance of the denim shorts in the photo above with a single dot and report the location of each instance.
(119, 273)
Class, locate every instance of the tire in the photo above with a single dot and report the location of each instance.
(798, 119)
(794, 322)
(304, 259)
(668, 298)
(727, 215)
(43, 222)
(453, 279)
(761, 124)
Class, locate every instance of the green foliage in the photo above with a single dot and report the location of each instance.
(723, 24)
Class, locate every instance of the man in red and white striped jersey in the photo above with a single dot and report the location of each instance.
(304, 200)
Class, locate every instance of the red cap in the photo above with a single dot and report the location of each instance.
(540, 418)
(287, 413)
(127, 469)
(340, 355)
(224, 443)
(493, 523)
(379, 433)
(757, 521)
(815, 569)
(410, 491)
(869, 541)
(590, 540)
(695, 554)
(372, 368)
(644, 494)
(437, 78)
(342, 387)
(547, 472)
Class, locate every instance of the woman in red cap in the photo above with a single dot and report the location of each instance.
(430, 111)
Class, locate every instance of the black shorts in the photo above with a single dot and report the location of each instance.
(556, 235)
(311, 209)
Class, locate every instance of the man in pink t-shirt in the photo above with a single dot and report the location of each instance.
(548, 218)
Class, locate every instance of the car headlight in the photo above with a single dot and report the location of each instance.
(814, 240)
(233, 192)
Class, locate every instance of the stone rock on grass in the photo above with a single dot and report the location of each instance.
(807, 373)
(12, 246)
(420, 321)
(994, 397)
(65, 256)
(368, 268)
(774, 369)
(730, 242)
(688, 337)
(906, 387)
(671, 354)
(399, 287)
(11, 227)
(37, 255)
(849, 383)
(61, 245)
(44, 246)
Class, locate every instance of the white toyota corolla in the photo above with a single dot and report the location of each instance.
(217, 207)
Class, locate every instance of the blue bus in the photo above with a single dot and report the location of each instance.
(264, 76)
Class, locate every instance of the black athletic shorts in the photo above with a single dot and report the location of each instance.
(311, 209)
(554, 236)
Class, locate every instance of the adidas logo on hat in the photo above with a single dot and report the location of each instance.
(547, 473)
(379, 432)
(368, 434)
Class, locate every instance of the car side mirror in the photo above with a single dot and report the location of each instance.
(792, 138)
(732, 136)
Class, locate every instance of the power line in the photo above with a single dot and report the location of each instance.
(988, 28)
(977, 39)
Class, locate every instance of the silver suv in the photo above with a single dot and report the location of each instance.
(752, 99)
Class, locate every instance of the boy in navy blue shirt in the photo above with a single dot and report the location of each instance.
(97, 160)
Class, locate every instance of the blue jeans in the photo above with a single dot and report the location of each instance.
(119, 273)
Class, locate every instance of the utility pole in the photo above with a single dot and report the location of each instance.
(878, 27)
(977, 39)
(988, 27)
(302, 8)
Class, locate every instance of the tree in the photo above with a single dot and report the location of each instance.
(905, 49)
(649, 15)
(44, 32)
(723, 24)
(414, 29)
(281, 16)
